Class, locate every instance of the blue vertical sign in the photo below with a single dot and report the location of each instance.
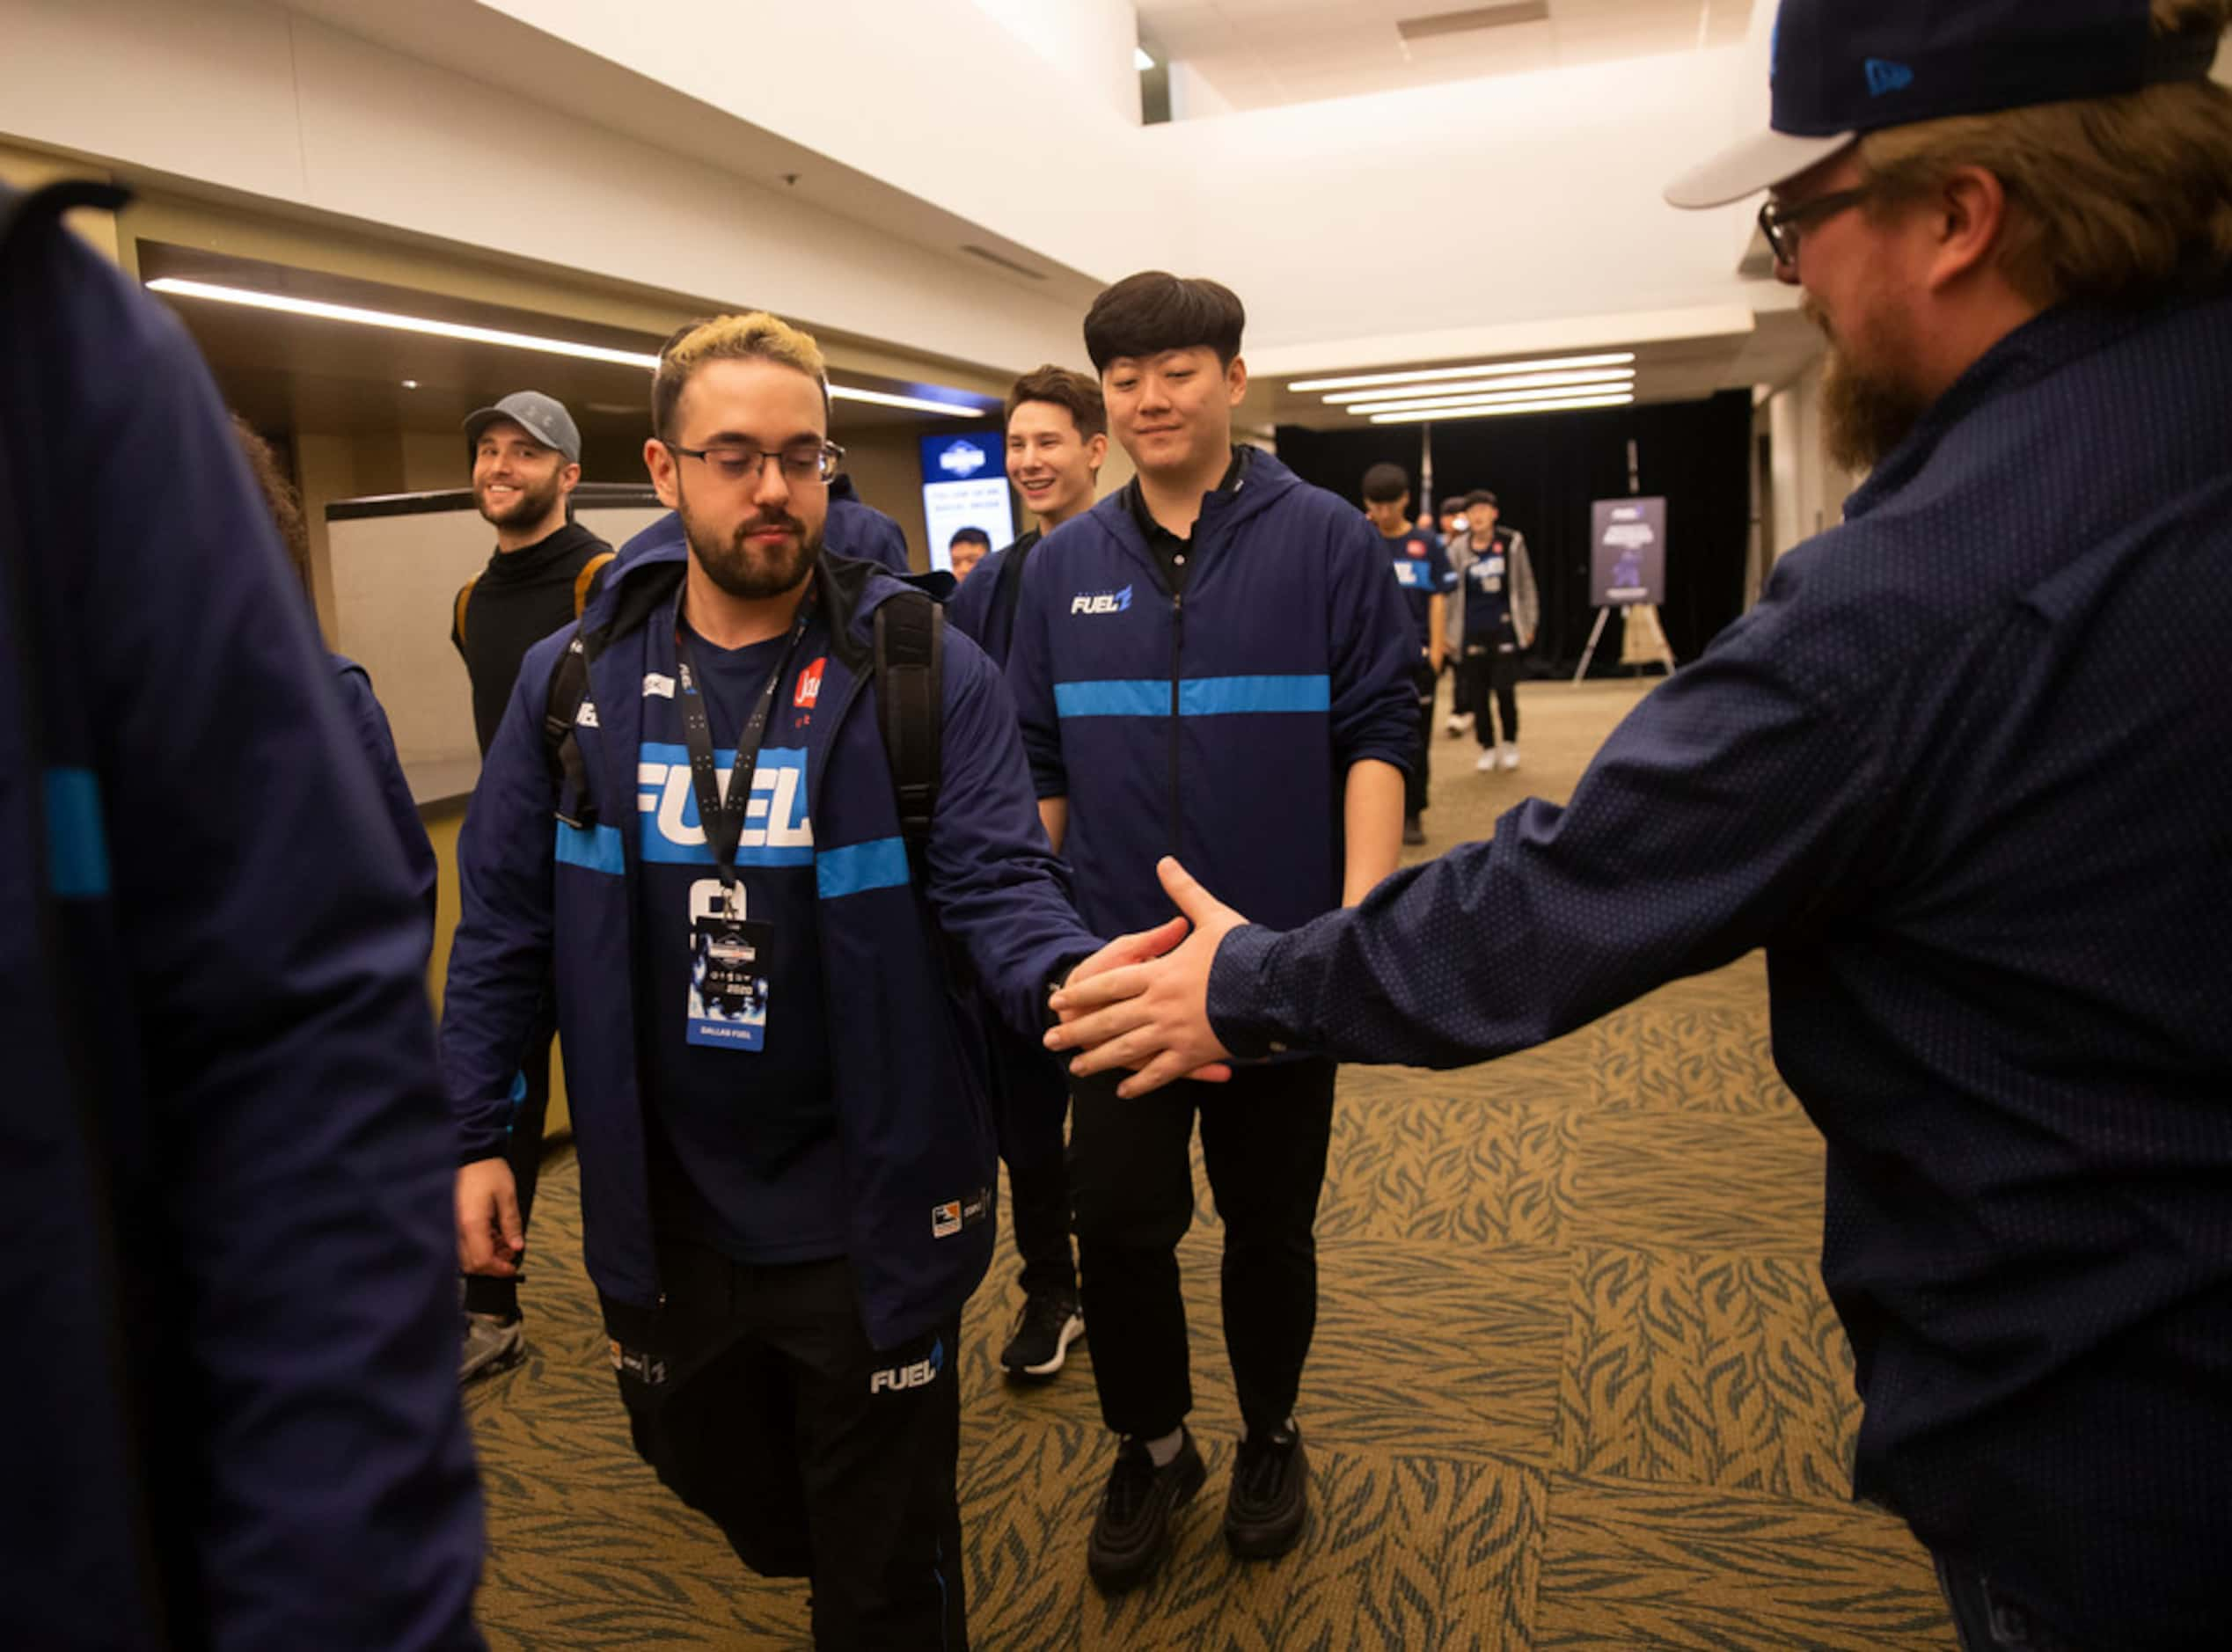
(964, 484)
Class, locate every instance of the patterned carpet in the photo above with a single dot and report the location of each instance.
(1575, 1383)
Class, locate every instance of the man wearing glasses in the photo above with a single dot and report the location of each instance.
(786, 1164)
(1961, 772)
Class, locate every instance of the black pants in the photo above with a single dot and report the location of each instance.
(1489, 675)
(1033, 1099)
(1264, 1137)
(1423, 680)
(524, 1152)
(1986, 1621)
(755, 1395)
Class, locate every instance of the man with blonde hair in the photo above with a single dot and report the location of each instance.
(1961, 772)
(785, 1154)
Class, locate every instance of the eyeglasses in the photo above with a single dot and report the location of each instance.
(802, 466)
(1780, 224)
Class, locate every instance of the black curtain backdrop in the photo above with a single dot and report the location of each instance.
(1546, 471)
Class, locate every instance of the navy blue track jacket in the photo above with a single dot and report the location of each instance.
(1967, 772)
(1220, 726)
(240, 1390)
(909, 1065)
(976, 605)
(376, 740)
(858, 530)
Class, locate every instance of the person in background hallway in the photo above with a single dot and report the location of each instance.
(966, 549)
(378, 742)
(1423, 573)
(1057, 436)
(1962, 772)
(787, 1162)
(1213, 658)
(857, 529)
(1456, 543)
(526, 457)
(1495, 614)
(233, 1420)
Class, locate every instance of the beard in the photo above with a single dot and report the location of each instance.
(751, 574)
(1869, 405)
(532, 504)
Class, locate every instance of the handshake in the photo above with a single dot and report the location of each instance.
(1141, 1003)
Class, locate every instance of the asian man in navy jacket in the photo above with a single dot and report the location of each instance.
(1215, 661)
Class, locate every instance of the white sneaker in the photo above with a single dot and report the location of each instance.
(1459, 723)
(1487, 764)
(1508, 754)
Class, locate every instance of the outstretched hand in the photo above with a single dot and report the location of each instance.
(1148, 1008)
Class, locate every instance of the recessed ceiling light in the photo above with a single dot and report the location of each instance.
(410, 383)
(1481, 370)
(1501, 410)
(1360, 400)
(394, 321)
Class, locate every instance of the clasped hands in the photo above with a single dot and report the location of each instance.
(1141, 1003)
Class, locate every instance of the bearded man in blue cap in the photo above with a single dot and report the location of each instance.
(1962, 772)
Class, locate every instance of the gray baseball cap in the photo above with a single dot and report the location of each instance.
(542, 417)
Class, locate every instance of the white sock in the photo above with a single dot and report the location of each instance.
(1165, 1450)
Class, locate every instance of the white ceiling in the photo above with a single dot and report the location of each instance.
(1261, 54)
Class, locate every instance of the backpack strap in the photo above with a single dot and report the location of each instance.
(909, 707)
(561, 746)
(584, 584)
(1011, 586)
(464, 595)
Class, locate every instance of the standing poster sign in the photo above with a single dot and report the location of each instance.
(1627, 571)
(964, 484)
(1628, 551)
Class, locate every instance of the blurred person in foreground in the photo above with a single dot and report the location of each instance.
(232, 1402)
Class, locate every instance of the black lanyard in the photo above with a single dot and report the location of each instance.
(724, 820)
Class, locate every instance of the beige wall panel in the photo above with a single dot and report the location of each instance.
(395, 581)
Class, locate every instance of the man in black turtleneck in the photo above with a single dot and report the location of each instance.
(526, 458)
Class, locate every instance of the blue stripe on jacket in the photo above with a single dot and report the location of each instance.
(77, 843)
(1197, 697)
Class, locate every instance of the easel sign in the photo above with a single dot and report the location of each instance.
(1626, 566)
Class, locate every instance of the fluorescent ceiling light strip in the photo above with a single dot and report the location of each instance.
(396, 322)
(912, 404)
(1422, 403)
(1495, 412)
(1466, 387)
(1481, 369)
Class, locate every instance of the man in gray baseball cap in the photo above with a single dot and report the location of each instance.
(542, 417)
(526, 454)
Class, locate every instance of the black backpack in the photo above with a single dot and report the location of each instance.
(909, 708)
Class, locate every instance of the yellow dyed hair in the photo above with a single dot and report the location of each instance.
(753, 337)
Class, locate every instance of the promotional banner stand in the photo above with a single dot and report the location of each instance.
(1627, 569)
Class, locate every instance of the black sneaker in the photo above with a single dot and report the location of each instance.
(1133, 1527)
(1413, 833)
(1049, 1323)
(1270, 1496)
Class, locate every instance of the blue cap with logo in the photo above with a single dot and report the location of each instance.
(1845, 68)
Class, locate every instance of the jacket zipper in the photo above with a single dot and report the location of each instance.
(1177, 650)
